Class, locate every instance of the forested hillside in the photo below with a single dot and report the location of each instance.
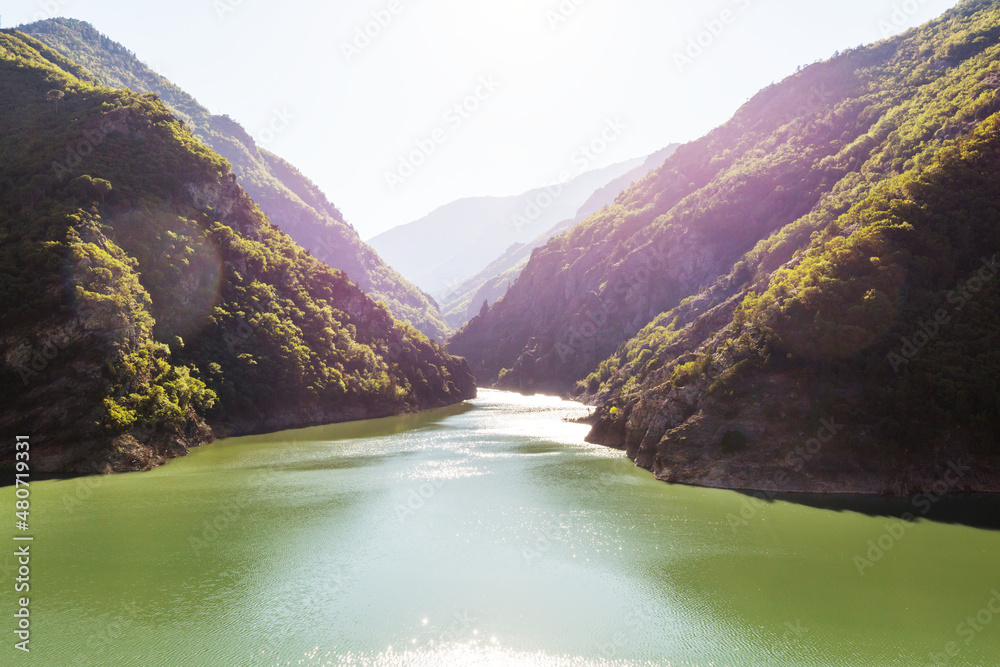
(145, 300)
(827, 254)
(288, 198)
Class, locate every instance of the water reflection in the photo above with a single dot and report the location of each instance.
(486, 534)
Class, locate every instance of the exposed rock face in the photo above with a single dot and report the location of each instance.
(782, 447)
(228, 203)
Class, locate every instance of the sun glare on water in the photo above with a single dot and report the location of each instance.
(487, 653)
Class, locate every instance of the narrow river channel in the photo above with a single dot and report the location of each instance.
(487, 533)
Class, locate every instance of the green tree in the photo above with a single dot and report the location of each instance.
(55, 96)
(102, 187)
(39, 186)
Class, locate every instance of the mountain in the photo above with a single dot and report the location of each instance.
(146, 303)
(460, 239)
(463, 302)
(804, 299)
(287, 197)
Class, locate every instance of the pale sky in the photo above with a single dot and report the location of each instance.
(558, 72)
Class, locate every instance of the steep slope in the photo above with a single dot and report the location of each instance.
(836, 127)
(461, 304)
(812, 292)
(460, 239)
(146, 301)
(287, 197)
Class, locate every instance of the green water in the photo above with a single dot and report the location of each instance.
(489, 533)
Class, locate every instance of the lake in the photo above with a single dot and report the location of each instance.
(484, 534)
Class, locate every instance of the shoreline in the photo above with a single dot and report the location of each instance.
(689, 464)
(73, 461)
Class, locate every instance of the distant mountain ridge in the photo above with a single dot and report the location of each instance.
(288, 198)
(463, 302)
(459, 239)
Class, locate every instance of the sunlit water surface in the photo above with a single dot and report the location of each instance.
(485, 534)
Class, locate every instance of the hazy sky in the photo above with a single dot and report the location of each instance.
(534, 80)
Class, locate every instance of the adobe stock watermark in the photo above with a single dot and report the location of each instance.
(230, 513)
(930, 329)
(215, 527)
(593, 318)
(791, 636)
(562, 12)
(452, 288)
(635, 622)
(554, 531)
(224, 7)
(30, 361)
(923, 503)
(620, 466)
(820, 97)
(365, 35)
(49, 9)
(280, 120)
(83, 487)
(454, 118)
(113, 630)
(77, 152)
(417, 499)
(968, 629)
(335, 581)
(902, 16)
(461, 629)
(248, 324)
(461, 625)
(796, 460)
(584, 158)
(712, 30)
